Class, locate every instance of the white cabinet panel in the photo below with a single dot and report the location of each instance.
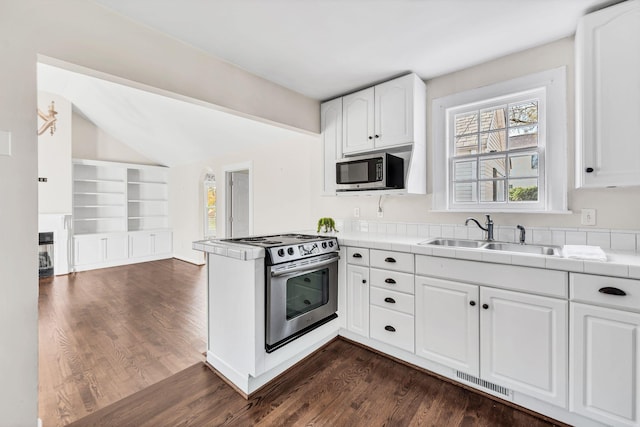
(358, 256)
(162, 242)
(331, 131)
(392, 300)
(447, 323)
(398, 261)
(358, 121)
(394, 112)
(392, 280)
(605, 376)
(358, 299)
(87, 250)
(524, 343)
(115, 247)
(139, 245)
(607, 107)
(392, 327)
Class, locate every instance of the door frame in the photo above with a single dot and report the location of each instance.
(226, 181)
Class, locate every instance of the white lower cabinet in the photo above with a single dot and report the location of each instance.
(524, 343)
(95, 249)
(447, 323)
(392, 327)
(512, 339)
(149, 243)
(111, 249)
(358, 299)
(605, 371)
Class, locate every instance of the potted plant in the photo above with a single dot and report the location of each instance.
(328, 223)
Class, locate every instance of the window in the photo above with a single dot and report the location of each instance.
(210, 213)
(496, 148)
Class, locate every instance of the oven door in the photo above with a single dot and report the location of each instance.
(300, 297)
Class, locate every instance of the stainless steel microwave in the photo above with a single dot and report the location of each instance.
(370, 172)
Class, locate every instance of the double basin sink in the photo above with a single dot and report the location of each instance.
(494, 246)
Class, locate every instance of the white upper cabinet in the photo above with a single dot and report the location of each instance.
(358, 121)
(331, 128)
(607, 94)
(387, 115)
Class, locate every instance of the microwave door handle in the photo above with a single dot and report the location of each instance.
(310, 267)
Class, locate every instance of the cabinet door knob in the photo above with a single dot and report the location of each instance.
(390, 300)
(357, 255)
(364, 281)
(389, 328)
(485, 306)
(377, 136)
(588, 170)
(612, 291)
(389, 259)
(472, 303)
(390, 281)
(370, 137)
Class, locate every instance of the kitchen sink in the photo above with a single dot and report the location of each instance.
(528, 249)
(458, 243)
(494, 246)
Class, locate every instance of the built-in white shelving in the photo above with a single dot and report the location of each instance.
(120, 213)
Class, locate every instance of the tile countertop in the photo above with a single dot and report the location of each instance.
(619, 263)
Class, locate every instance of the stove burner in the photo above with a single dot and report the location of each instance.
(270, 242)
(300, 236)
(252, 239)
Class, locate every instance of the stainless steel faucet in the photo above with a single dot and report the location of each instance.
(488, 228)
(522, 233)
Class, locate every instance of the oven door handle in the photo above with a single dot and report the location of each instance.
(293, 271)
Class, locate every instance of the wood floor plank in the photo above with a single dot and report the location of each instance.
(106, 334)
(341, 385)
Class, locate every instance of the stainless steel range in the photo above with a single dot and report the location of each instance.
(301, 273)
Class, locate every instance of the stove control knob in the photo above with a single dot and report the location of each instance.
(281, 252)
(290, 251)
(330, 244)
(324, 245)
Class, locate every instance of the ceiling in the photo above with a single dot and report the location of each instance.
(167, 131)
(319, 48)
(325, 48)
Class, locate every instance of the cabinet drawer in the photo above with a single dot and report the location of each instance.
(391, 300)
(397, 261)
(401, 282)
(358, 256)
(392, 327)
(602, 290)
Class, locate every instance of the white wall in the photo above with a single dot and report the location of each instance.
(281, 184)
(54, 158)
(617, 208)
(81, 32)
(92, 143)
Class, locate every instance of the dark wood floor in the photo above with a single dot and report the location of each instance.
(122, 347)
(341, 385)
(106, 334)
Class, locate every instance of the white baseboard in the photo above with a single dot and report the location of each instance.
(190, 260)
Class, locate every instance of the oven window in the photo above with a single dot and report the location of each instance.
(307, 292)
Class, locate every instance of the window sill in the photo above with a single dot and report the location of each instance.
(490, 211)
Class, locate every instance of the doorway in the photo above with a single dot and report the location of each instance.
(238, 212)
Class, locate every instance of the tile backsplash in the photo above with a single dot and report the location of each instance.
(622, 240)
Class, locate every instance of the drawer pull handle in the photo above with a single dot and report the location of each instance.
(612, 291)
(389, 328)
(357, 255)
(390, 281)
(389, 259)
(390, 300)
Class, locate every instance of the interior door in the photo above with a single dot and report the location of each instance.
(239, 206)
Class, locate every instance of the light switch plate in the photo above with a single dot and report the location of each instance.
(356, 212)
(588, 217)
(5, 143)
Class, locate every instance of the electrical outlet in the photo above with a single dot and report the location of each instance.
(380, 213)
(588, 217)
(356, 212)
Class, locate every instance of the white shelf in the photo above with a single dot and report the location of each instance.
(112, 197)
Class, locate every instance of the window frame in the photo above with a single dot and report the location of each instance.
(552, 141)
